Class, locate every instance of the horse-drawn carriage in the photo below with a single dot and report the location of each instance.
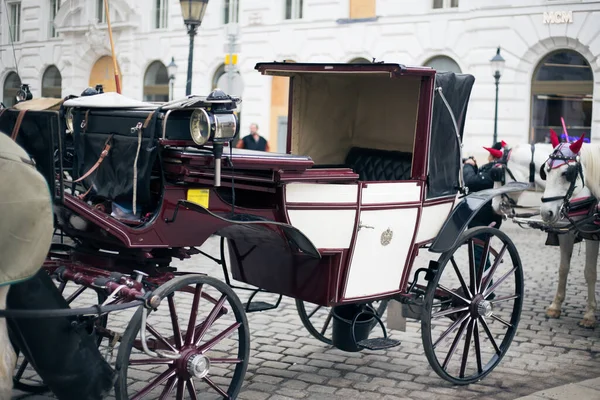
(371, 177)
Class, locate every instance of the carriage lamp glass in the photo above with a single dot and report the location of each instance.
(193, 11)
(226, 127)
(200, 126)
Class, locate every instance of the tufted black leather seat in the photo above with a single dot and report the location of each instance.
(379, 165)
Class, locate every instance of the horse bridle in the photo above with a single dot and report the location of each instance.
(574, 169)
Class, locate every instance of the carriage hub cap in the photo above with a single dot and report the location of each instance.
(485, 308)
(198, 366)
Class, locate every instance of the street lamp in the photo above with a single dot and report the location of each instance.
(497, 67)
(193, 13)
(171, 70)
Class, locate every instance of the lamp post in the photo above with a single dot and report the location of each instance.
(497, 68)
(171, 70)
(193, 13)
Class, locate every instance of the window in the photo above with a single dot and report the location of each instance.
(52, 83)
(160, 14)
(445, 3)
(156, 82)
(12, 84)
(100, 11)
(362, 9)
(14, 27)
(442, 64)
(230, 11)
(54, 6)
(562, 86)
(293, 9)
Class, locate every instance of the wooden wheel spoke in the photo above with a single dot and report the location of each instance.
(22, 369)
(472, 268)
(75, 294)
(168, 388)
(314, 311)
(498, 282)
(215, 387)
(191, 389)
(482, 262)
(463, 363)
(489, 335)
(189, 335)
(160, 337)
(463, 284)
(175, 322)
(505, 298)
(158, 381)
(148, 361)
(210, 319)
(503, 322)
(449, 311)
(181, 384)
(455, 343)
(327, 322)
(212, 342)
(452, 293)
(488, 277)
(477, 347)
(225, 361)
(450, 329)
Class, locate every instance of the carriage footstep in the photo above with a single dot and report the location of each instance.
(255, 306)
(378, 343)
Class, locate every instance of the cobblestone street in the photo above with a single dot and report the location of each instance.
(287, 362)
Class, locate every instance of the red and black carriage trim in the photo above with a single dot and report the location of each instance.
(371, 177)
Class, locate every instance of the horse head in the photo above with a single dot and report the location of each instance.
(564, 173)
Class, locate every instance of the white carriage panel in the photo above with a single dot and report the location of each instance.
(432, 220)
(391, 192)
(326, 229)
(377, 268)
(320, 193)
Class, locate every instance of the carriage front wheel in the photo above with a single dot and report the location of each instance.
(201, 320)
(472, 306)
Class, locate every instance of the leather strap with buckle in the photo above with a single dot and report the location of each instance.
(103, 155)
(17, 126)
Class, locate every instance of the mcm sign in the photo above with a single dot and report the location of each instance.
(558, 17)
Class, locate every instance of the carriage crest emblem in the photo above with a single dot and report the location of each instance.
(386, 237)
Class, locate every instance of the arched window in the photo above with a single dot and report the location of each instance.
(52, 83)
(359, 60)
(11, 86)
(103, 73)
(218, 74)
(443, 64)
(562, 86)
(156, 82)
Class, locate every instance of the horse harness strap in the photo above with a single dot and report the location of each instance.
(17, 126)
(103, 154)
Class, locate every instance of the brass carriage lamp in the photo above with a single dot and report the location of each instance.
(497, 68)
(193, 12)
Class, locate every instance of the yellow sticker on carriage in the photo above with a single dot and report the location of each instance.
(198, 196)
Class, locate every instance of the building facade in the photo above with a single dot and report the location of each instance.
(550, 47)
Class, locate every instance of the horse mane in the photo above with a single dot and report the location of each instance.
(590, 160)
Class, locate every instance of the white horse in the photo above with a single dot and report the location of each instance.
(522, 162)
(25, 237)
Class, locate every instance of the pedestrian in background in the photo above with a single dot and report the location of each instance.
(253, 141)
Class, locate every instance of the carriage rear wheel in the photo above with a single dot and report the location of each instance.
(472, 306)
(213, 351)
(318, 319)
